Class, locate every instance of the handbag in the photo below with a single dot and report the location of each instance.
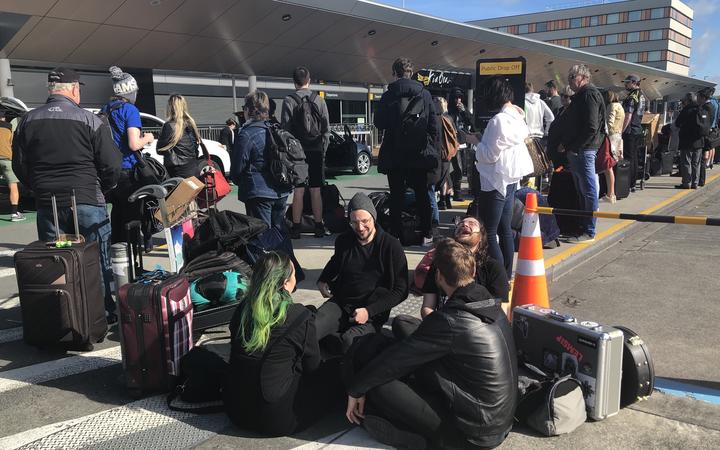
(148, 170)
(216, 186)
(540, 161)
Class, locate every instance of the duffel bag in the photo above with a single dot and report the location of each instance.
(218, 289)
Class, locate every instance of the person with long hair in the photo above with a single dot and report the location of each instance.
(502, 161)
(277, 385)
(178, 141)
(615, 120)
(445, 185)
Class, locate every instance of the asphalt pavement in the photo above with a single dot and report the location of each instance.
(657, 279)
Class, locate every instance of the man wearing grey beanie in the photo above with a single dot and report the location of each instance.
(124, 119)
(365, 278)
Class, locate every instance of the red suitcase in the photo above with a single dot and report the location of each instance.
(156, 330)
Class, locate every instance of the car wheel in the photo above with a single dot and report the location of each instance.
(362, 163)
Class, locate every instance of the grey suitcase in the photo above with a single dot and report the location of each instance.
(559, 343)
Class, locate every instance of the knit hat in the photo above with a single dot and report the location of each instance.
(124, 85)
(362, 201)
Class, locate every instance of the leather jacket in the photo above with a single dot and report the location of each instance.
(467, 348)
(184, 152)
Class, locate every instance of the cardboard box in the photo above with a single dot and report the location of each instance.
(651, 121)
(179, 200)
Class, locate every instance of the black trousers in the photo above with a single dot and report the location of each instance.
(415, 179)
(122, 211)
(691, 163)
(703, 169)
(457, 173)
(632, 151)
(184, 171)
(332, 320)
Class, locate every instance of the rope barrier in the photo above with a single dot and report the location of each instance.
(686, 220)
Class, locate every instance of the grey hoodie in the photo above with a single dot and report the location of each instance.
(537, 115)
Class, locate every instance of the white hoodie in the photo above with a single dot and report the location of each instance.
(502, 156)
(537, 114)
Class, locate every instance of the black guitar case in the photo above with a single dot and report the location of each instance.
(638, 372)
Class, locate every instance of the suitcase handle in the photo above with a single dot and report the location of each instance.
(77, 238)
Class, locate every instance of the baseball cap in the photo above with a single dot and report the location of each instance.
(632, 77)
(64, 75)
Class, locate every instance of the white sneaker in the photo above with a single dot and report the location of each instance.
(606, 199)
(17, 217)
(427, 242)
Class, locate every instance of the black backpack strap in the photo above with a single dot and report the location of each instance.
(111, 120)
(312, 97)
(297, 98)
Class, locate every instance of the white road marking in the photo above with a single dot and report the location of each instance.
(146, 423)
(7, 272)
(59, 368)
(352, 438)
(11, 335)
(9, 252)
(11, 302)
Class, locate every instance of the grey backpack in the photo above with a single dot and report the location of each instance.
(551, 406)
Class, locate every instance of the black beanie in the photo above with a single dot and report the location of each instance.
(362, 201)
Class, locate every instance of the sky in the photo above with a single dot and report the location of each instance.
(705, 50)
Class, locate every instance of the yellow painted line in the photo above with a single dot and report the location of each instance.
(619, 226)
(161, 247)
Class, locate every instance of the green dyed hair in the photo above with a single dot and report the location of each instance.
(266, 302)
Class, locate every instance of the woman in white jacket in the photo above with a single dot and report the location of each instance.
(502, 161)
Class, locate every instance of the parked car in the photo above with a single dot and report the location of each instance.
(344, 153)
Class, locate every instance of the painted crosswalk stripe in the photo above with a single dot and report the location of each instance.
(59, 368)
(10, 302)
(146, 423)
(7, 272)
(11, 335)
(351, 438)
(9, 252)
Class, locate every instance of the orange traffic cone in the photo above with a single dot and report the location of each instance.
(530, 286)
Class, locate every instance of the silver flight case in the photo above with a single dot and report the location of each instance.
(559, 343)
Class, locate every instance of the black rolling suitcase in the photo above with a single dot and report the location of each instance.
(565, 194)
(61, 291)
(623, 175)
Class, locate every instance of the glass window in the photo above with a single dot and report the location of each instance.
(611, 39)
(594, 21)
(575, 23)
(523, 29)
(502, 29)
(634, 16)
(656, 34)
(592, 41)
(631, 57)
(575, 42)
(633, 37)
(613, 18)
(540, 27)
(657, 13)
(654, 56)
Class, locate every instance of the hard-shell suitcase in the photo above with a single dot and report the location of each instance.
(667, 158)
(565, 194)
(156, 316)
(61, 291)
(623, 176)
(559, 343)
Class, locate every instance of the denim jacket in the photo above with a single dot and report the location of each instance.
(248, 164)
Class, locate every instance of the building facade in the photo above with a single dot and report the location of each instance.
(656, 33)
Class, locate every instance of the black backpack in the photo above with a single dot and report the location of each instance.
(284, 159)
(107, 119)
(307, 120)
(411, 132)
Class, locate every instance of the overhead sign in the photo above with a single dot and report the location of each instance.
(511, 69)
(442, 79)
(501, 68)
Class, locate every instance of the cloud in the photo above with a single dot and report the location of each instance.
(703, 44)
(704, 8)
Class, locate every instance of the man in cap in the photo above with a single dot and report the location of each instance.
(365, 278)
(60, 148)
(634, 106)
(124, 119)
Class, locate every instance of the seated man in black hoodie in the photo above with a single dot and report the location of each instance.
(366, 277)
(462, 385)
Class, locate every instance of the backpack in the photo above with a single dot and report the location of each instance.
(284, 159)
(411, 132)
(218, 289)
(702, 122)
(307, 120)
(450, 143)
(107, 119)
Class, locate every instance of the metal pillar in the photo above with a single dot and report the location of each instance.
(252, 83)
(6, 85)
(235, 108)
(470, 99)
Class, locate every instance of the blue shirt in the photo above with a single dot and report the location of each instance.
(714, 111)
(124, 117)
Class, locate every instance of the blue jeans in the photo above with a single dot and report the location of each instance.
(269, 210)
(583, 164)
(495, 211)
(435, 216)
(94, 223)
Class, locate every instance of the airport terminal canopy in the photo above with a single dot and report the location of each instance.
(340, 40)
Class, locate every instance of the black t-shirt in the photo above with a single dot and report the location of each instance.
(361, 275)
(491, 275)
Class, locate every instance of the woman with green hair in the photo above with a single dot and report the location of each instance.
(277, 385)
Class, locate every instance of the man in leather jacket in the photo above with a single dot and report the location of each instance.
(463, 385)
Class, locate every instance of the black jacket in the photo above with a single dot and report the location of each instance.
(184, 152)
(387, 118)
(227, 138)
(392, 288)
(694, 124)
(554, 103)
(584, 122)
(59, 147)
(469, 350)
(256, 382)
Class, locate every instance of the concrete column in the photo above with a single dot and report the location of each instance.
(235, 108)
(252, 83)
(470, 99)
(6, 88)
